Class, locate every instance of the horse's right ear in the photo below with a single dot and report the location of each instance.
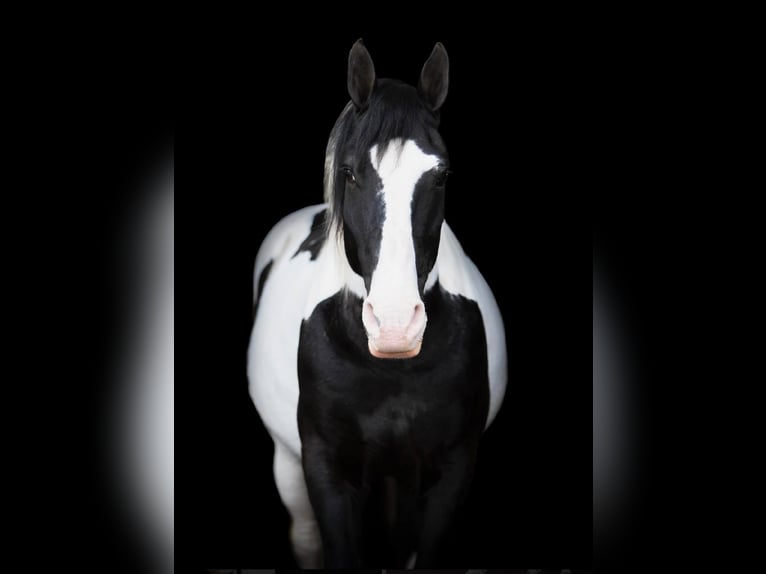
(434, 79)
(361, 75)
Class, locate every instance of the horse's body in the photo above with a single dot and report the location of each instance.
(371, 413)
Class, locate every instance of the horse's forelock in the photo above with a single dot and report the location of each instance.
(395, 112)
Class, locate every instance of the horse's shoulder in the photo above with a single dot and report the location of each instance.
(459, 276)
(287, 237)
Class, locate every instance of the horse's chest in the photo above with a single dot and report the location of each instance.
(393, 410)
(407, 415)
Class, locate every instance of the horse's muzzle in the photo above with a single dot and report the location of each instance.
(394, 334)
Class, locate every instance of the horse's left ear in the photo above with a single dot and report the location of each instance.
(361, 75)
(434, 79)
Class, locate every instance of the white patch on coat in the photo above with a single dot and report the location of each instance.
(272, 355)
(394, 295)
(458, 275)
(304, 530)
(295, 286)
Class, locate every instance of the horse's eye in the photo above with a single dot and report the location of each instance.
(441, 177)
(348, 174)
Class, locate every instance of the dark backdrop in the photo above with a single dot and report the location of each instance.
(531, 135)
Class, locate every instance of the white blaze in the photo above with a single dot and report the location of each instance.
(394, 286)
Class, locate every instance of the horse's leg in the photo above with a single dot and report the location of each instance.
(443, 500)
(337, 504)
(304, 532)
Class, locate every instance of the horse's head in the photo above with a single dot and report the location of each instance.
(385, 173)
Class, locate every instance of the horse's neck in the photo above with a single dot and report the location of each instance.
(452, 267)
(333, 274)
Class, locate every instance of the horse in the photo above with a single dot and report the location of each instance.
(377, 357)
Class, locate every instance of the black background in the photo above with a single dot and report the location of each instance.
(566, 143)
(620, 127)
(523, 139)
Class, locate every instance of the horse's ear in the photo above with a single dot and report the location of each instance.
(361, 75)
(434, 79)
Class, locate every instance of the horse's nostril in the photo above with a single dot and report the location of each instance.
(418, 318)
(369, 317)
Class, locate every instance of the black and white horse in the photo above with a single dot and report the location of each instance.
(377, 358)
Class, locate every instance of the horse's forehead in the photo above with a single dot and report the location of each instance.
(403, 159)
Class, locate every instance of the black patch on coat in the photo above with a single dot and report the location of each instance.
(316, 237)
(365, 420)
(261, 283)
(427, 218)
